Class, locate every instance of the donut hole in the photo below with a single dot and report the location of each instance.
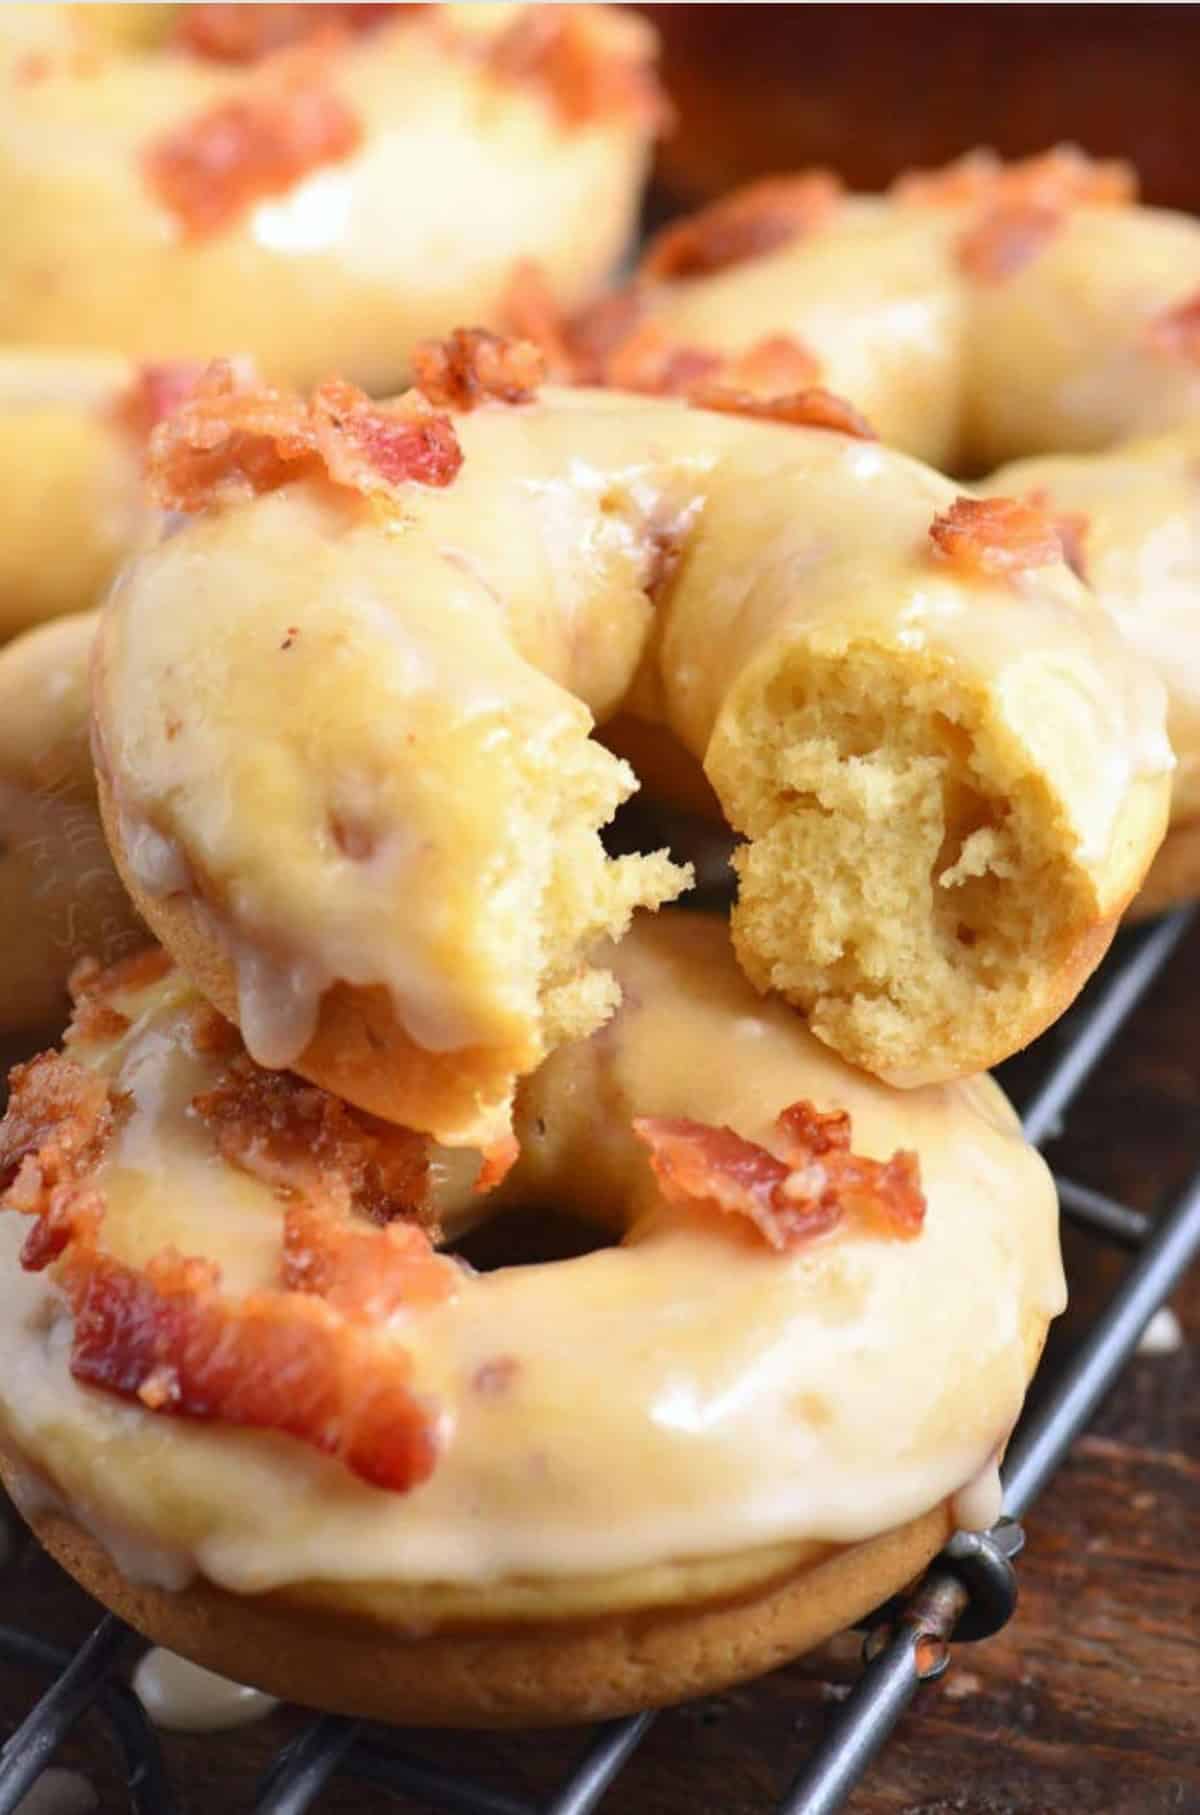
(525, 1236)
(905, 882)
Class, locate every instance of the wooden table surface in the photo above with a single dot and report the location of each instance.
(1089, 1701)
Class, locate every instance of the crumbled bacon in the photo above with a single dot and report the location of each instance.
(776, 366)
(1063, 177)
(810, 409)
(153, 393)
(231, 433)
(750, 222)
(302, 1140)
(528, 311)
(650, 361)
(1071, 527)
(816, 1183)
(366, 1272)
(472, 366)
(1176, 331)
(1007, 238)
(275, 1361)
(209, 170)
(996, 535)
(89, 979)
(244, 34)
(592, 63)
(59, 1121)
(594, 334)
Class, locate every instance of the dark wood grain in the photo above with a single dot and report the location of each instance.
(1089, 1701)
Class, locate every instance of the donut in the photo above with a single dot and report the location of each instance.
(343, 712)
(319, 186)
(1028, 313)
(60, 898)
(250, 1404)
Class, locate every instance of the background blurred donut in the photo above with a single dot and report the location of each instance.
(316, 185)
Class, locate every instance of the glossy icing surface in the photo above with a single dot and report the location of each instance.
(685, 1394)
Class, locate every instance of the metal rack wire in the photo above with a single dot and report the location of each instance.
(968, 1592)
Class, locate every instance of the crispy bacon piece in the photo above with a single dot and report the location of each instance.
(472, 366)
(750, 222)
(365, 1272)
(245, 34)
(595, 333)
(788, 1200)
(275, 1361)
(230, 433)
(811, 409)
(155, 392)
(1176, 331)
(776, 366)
(211, 169)
(1063, 177)
(1006, 239)
(302, 1140)
(592, 63)
(60, 1120)
(650, 361)
(996, 535)
(1071, 527)
(92, 987)
(528, 311)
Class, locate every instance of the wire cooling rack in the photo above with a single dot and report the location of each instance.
(968, 1593)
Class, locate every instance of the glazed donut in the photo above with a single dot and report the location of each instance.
(319, 186)
(59, 895)
(975, 314)
(549, 1492)
(343, 740)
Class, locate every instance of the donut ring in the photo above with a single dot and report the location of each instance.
(1024, 313)
(784, 1454)
(130, 225)
(939, 701)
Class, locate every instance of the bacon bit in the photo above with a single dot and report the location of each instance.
(596, 332)
(154, 393)
(232, 433)
(212, 1036)
(1007, 239)
(277, 1361)
(745, 225)
(472, 366)
(302, 1140)
(996, 535)
(528, 311)
(245, 34)
(775, 366)
(1071, 527)
(89, 978)
(1063, 177)
(650, 361)
(211, 169)
(788, 1200)
(59, 1121)
(811, 409)
(366, 1273)
(498, 1161)
(492, 1379)
(1176, 331)
(593, 64)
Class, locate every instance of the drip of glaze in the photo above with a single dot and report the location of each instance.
(979, 1504)
(181, 1697)
(59, 1793)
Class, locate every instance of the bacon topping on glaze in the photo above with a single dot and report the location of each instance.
(298, 1138)
(92, 987)
(313, 1358)
(753, 221)
(1007, 239)
(155, 392)
(1176, 331)
(528, 311)
(592, 63)
(597, 331)
(810, 409)
(210, 170)
(650, 361)
(244, 34)
(1063, 177)
(997, 535)
(1071, 527)
(233, 434)
(790, 1197)
(472, 366)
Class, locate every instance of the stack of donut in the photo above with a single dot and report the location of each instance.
(338, 715)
